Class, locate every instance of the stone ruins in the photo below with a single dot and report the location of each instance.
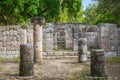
(26, 67)
(61, 36)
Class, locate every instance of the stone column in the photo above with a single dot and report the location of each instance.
(82, 50)
(38, 23)
(48, 40)
(26, 60)
(75, 44)
(97, 63)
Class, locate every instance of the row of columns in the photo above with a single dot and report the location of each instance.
(82, 50)
(97, 58)
(27, 62)
(29, 52)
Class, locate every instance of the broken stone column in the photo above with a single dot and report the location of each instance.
(97, 63)
(26, 60)
(38, 23)
(82, 50)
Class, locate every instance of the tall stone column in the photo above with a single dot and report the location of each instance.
(82, 50)
(48, 37)
(38, 23)
(26, 60)
(97, 63)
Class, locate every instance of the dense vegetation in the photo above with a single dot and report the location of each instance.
(19, 11)
(103, 11)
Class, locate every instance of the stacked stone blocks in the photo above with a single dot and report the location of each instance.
(11, 37)
(108, 36)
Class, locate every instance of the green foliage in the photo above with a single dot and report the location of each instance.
(19, 11)
(91, 15)
(113, 59)
(104, 11)
(110, 9)
(72, 11)
(15, 59)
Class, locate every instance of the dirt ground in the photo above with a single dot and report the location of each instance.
(58, 69)
(113, 70)
(61, 69)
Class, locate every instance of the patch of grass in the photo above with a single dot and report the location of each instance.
(2, 59)
(113, 59)
(1, 69)
(80, 75)
(62, 50)
(16, 59)
(75, 78)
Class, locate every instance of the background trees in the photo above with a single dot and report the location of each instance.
(104, 11)
(19, 11)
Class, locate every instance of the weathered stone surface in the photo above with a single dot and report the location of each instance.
(3, 33)
(38, 20)
(82, 50)
(29, 38)
(111, 54)
(48, 37)
(11, 32)
(23, 36)
(108, 37)
(75, 45)
(7, 33)
(26, 60)
(0, 44)
(38, 23)
(97, 63)
(91, 39)
(10, 37)
(0, 34)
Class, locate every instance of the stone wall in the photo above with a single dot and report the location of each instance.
(91, 39)
(107, 36)
(11, 37)
(29, 30)
(48, 37)
(72, 34)
(118, 35)
(118, 41)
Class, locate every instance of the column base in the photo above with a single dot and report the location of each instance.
(83, 58)
(25, 77)
(96, 78)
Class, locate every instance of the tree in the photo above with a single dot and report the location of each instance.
(9, 11)
(73, 10)
(105, 11)
(14, 12)
(90, 14)
(110, 10)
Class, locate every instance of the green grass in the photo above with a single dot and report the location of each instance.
(62, 50)
(113, 59)
(16, 59)
(81, 75)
